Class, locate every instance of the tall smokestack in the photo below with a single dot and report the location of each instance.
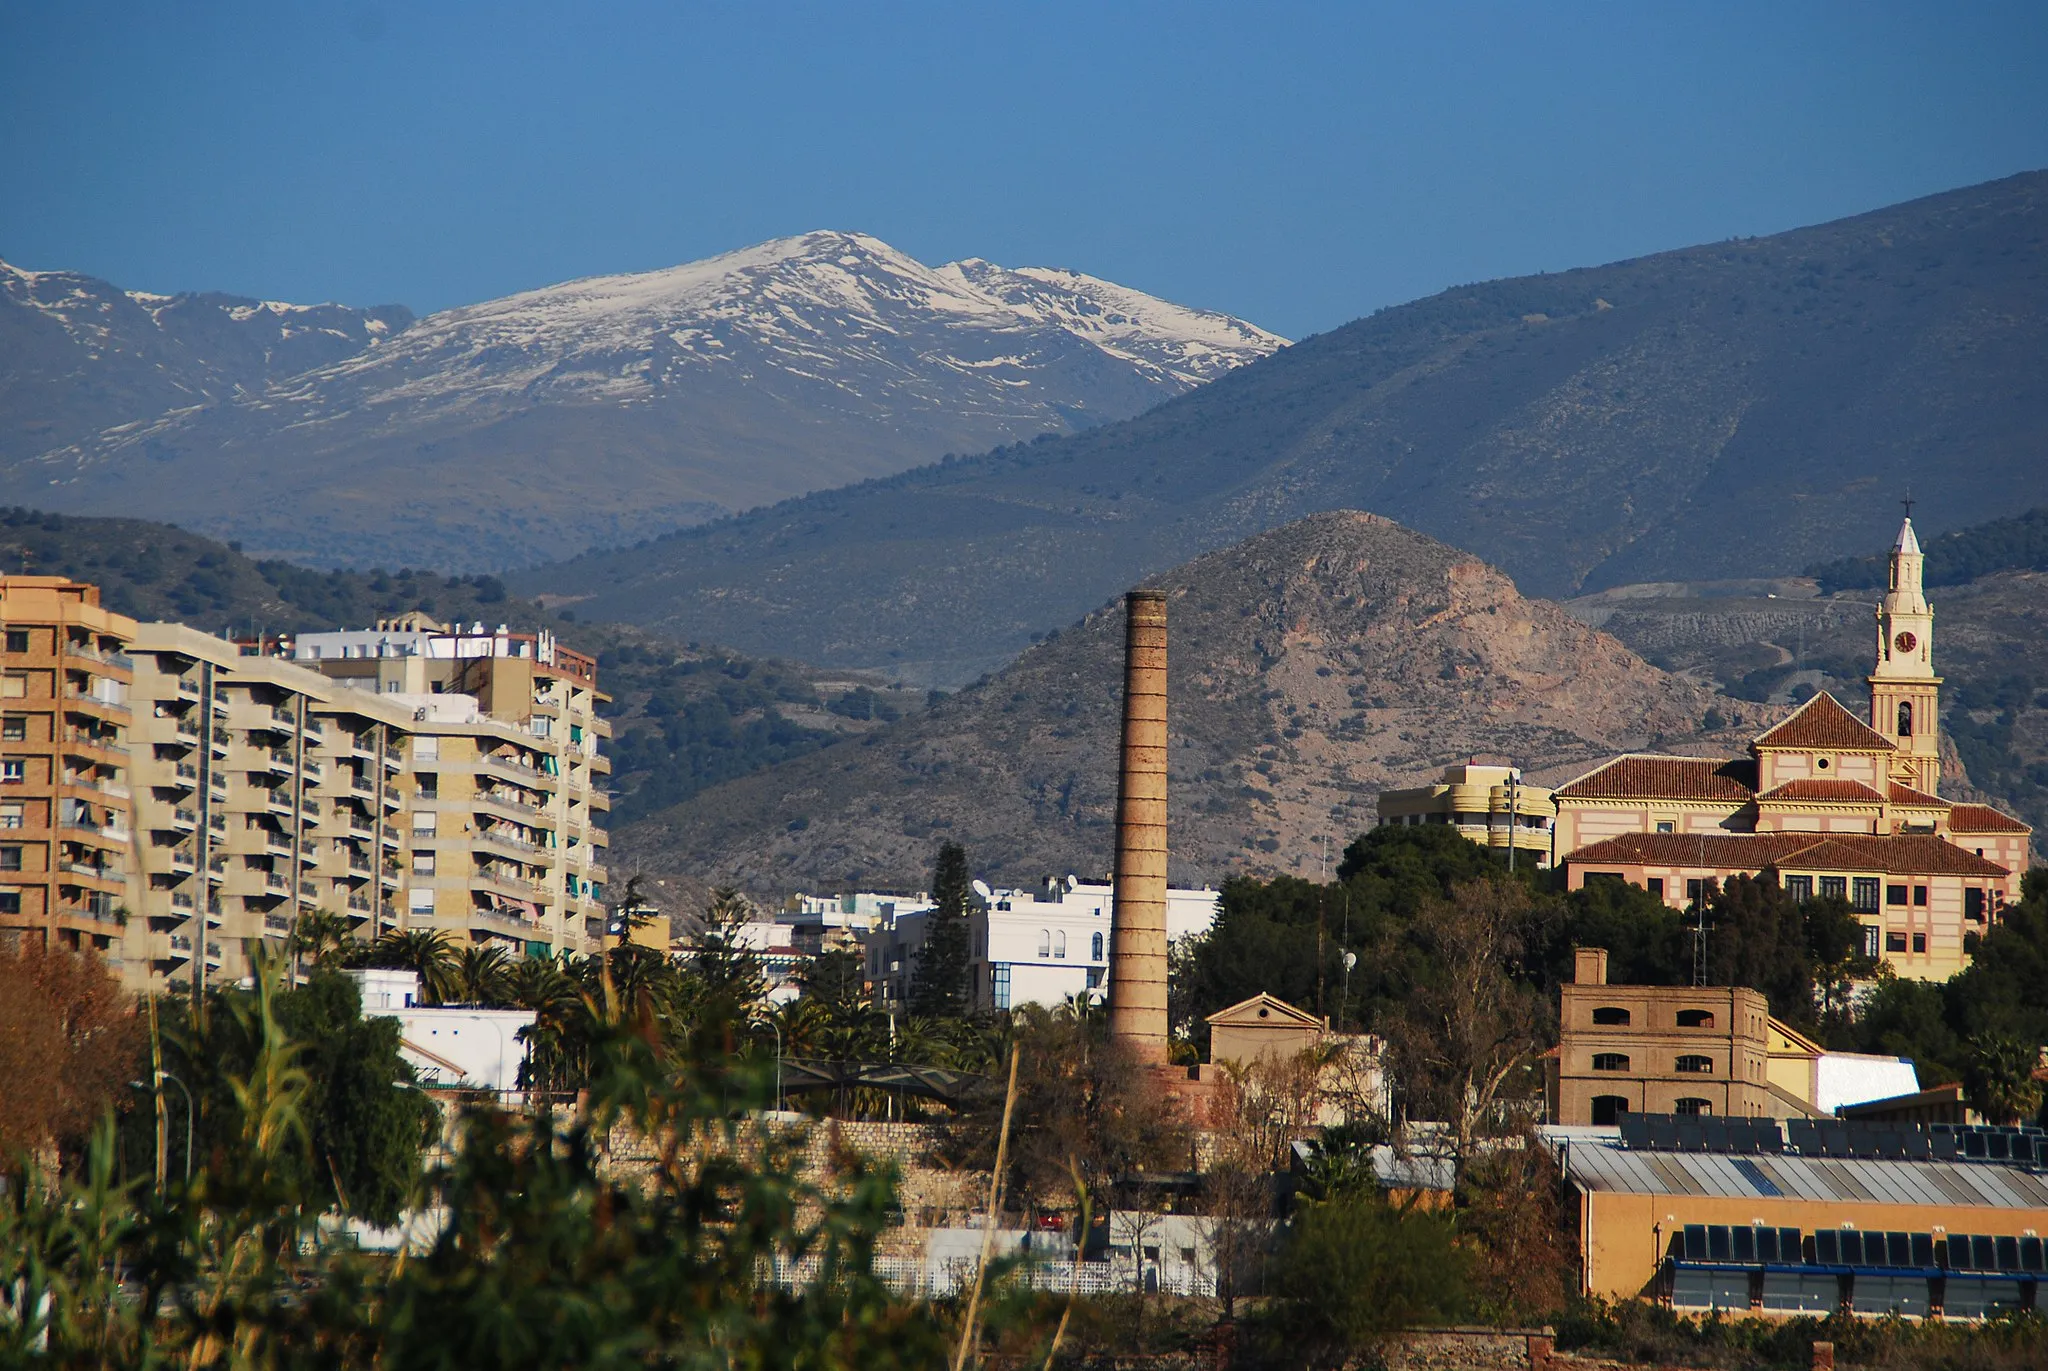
(1137, 959)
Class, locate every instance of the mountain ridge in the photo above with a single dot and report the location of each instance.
(693, 390)
(1728, 410)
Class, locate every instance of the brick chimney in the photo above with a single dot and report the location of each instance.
(1137, 958)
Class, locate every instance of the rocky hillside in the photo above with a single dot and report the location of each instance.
(1732, 410)
(1310, 667)
(603, 410)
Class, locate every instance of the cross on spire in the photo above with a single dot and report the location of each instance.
(1909, 502)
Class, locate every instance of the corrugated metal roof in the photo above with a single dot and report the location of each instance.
(1597, 1164)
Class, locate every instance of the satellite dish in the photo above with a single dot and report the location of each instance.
(981, 889)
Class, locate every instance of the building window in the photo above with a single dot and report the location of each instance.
(1973, 901)
(1613, 1015)
(1666, 826)
(1895, 894)
(1610, 1061)
(17, 640)
(1695, 889)
(1866, 894)
(423, 863)
(1692, 1104)
(10, 859)
(1695, 1065)
(426, 749)
(12, 771)
(1059, 944)
(14, 729)
(1656, 886)
(1045, 942)
(1095, 948)
(1608, 1109)
(1919, 942)
(420, 901)
(1695, 1018)
(1799, 887)
(1834, 887)
(11, 817)
(430, 785)
(1895, 942)
(1871, 937)
(1905, 718)
(1920, 896)
(14, 686)
(999, 985)
(424, 823)
(10, 902)
(1095, 978)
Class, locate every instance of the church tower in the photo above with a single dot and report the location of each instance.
(1904, 691)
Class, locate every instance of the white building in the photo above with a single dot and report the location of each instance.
(820, 921)
(452, 1047)
(1042, 946)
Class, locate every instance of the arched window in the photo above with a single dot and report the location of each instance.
(1695, 1018)
(1610, 1061)
(1696, 1065)
(1610, 1015)
(1692, 1104)
(1095, 948)
(1608, 1109)
(1905, 718)
(1059, 943)
(1045, 942)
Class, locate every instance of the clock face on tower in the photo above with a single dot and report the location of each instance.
(1905, 642)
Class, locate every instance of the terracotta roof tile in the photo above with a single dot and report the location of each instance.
(1896, 854)
(1815, 789)
(1640, 777)
(1917, 799)
(1983, 819)
(1822, 723)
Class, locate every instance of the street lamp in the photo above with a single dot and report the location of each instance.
(161, 1077)
(777, 1028)
(1344, 1003)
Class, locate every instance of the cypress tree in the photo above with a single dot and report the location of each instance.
(939, 988)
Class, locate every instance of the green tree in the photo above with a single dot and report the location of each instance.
(2000, 1078)
(1357, 1268)
(938, 985)
(425, 952)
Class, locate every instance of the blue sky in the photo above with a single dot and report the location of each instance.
(1298, 165)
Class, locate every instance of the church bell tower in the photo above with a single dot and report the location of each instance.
(1904, 691)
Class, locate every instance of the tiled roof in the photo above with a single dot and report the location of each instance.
(1822, 723)
(1983, 819)
(1917, 854)
(1641, 777)
(1832, 791)
(1916, 799)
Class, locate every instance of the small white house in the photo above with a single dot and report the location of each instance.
(1031, 946)
(453, 1046)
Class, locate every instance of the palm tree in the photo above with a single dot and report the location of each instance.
(480, 975)
(424, 951)
(321, 937)
(2001, 1078)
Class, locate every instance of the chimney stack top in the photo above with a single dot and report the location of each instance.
(1589, 966)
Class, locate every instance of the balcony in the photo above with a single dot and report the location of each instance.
(314, 771)
(284, 714)
(98, 746)
(279, 760)
(503, 765)
(498, 799)
(113, 790)
(188, 688)
(119, 661)
(280, 801)
(495, 879)
(188, 727)
(534, 854)
(90, 872)
(361, 785)
(184, 860)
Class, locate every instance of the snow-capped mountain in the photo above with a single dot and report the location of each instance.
(78, 354)
(607, 409)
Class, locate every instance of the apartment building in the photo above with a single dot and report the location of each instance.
(65, 806)
(264, 792)
(171, 799)
(505, 839)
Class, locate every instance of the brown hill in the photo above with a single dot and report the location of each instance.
(1310, 666)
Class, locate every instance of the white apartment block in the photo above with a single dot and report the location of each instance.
(1040, 946)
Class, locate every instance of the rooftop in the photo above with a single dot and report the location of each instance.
(1917, 854)
(1823, 723)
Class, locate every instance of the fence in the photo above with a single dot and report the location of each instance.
(927, 1278)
